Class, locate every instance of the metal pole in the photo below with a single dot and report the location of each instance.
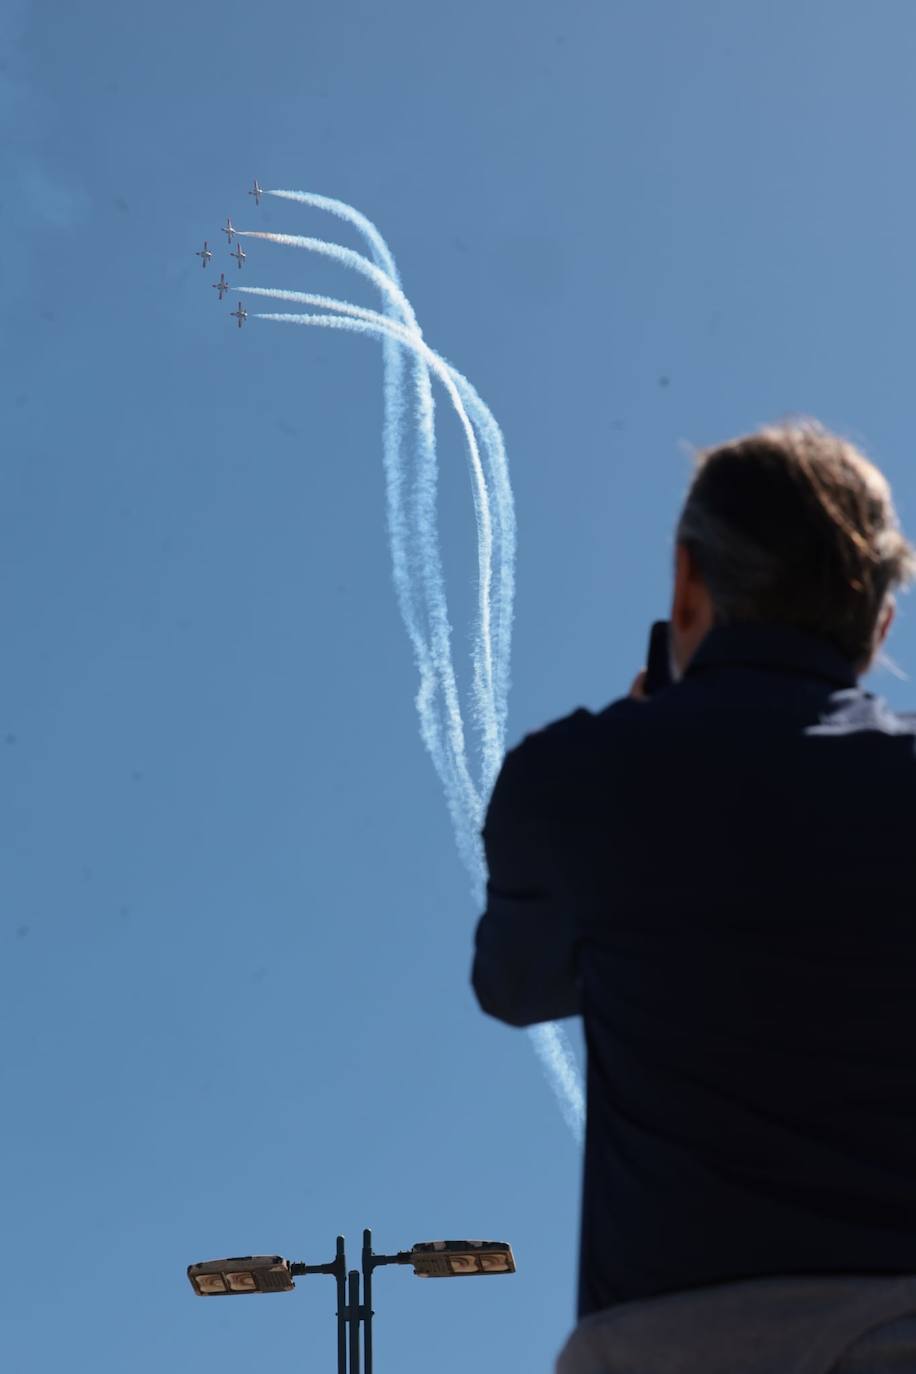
(353, 1311)
(367, 1299)
(340, 1270)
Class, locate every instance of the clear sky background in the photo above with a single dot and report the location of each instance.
(236, 934)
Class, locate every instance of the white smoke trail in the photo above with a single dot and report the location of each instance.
(550, 1041)
(433, 660)
(347, 257)
(497, 471)
(552, 1047)
(350, 215)
(425, 531)
(482, 651)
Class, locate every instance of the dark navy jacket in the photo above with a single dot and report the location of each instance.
(722, 882)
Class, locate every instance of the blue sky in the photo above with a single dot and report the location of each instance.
(236, 933)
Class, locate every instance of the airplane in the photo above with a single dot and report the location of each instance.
(205, 254)
(228, 228)
(256, 192)
(240, 314)
(221, 285)
(240, 255)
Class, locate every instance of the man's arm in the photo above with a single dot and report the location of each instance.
(525, 949)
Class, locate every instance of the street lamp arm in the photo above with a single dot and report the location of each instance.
(296, 1268)
(402, 1257)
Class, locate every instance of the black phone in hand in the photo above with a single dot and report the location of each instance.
(658, 663)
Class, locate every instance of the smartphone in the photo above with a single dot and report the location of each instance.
(658, 662)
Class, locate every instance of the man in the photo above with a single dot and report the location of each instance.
(721, 880)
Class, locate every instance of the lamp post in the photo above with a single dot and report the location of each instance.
(431, 1259)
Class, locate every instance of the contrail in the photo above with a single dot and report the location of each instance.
(491, 684)
(347, 256)
(494, 449)
(490, 432)
(377, 245)
(434, 663)
(493, 446)
(466, 401)
(483, 664)
(550, 1042)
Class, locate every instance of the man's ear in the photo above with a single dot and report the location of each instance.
(886, 622)
(683, 601)
(677, 585)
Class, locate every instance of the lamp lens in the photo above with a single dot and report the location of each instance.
(210, 1283)
(242, 1282)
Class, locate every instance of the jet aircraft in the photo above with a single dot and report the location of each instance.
(205, 254)
(240, 255)
(228, 228)
(256, 192)
(221, 285)
(241, 314)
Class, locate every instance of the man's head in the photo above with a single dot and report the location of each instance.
(791, 525)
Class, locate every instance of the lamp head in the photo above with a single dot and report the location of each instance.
(448, 1259)
(245, 1274)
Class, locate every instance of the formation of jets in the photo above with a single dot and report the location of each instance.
(206, 253)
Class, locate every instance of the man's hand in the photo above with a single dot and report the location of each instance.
(637, 687)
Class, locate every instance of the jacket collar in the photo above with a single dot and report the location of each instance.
(782, 648)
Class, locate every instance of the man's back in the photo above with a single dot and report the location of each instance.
(736, 859)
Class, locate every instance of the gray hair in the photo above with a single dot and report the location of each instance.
(792, 524)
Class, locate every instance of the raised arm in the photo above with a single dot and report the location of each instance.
(525, 947)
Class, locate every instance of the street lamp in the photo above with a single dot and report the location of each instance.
(430, 1259)
(244, 1274)
(448, 1259)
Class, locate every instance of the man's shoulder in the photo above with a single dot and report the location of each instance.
(542, 757)
(565, 747)
(555, 735)
(569, 735)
